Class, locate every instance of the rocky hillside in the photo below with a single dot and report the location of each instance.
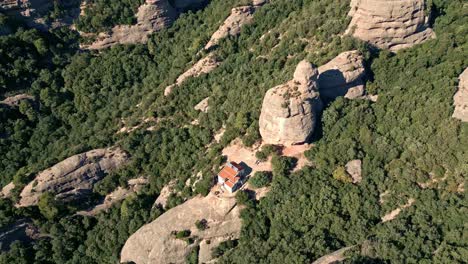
(73, 177)
(348, 117)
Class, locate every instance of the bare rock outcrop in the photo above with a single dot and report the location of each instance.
(289, 111)
(203, 105)
(164, 195)
(232, 25)
(14, 101)
(393, 214)
(6, 190)
(152, 16)
(354, 169)
(74, 176)
(154, 243)
(460, 100)
(343, 76)
(390, 24)
(334, 257)
(205, 65)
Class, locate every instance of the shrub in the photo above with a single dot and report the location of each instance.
(201, 224)
(260, 179)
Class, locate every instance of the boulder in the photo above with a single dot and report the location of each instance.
(289, 111)
(460, 99)
(232, 25)
(342, 76)
(390, 24)
(354, 169)
(152, 16)
(154, 243)
(205, 65)
(74, 176)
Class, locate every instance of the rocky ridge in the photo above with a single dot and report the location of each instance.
(390, 24)
(289, 111)
(205, 65)
(74, 176)
(239, 17)
(154, 243)
(460, 99)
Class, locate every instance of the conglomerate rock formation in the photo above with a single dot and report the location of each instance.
(154, 243)
(460, 100)
(342, 76)
(74, 176)
(390, 24)
(289, 111)
(232, 25)
(205, 65)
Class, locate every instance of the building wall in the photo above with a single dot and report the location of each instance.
(220, 180)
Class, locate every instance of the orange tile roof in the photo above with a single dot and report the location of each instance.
(229, 183)
(228, 173)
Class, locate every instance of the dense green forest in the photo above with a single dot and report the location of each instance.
(81, 98)
(102, 15)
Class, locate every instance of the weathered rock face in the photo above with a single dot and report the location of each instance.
(154, 15)
(289, 111)
(460, 100)
(342, 76)
(354, 169)
(153, 243)
(390, 24)
(232, 25)
(73, 176)
(6, 190)
(164, 195)
(205, 65)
